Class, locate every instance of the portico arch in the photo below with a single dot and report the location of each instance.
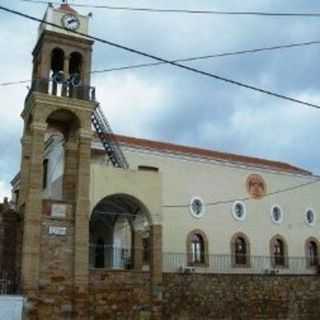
(120, 227)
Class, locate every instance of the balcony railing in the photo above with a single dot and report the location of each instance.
(111, 257)
(9, 283)
(179, 262)
(126, 258)
(65, 89)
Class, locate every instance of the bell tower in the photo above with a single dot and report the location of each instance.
(54, 191)
(61, 57)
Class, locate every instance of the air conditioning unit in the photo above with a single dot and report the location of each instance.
(187, 269)
(271, 271)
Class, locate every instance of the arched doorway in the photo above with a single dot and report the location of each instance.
(119, 234)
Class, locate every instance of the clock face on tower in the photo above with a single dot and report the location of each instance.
(71, 22)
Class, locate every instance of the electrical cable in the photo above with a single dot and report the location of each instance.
(154, 57)
(186, 11)
(195, 70)
(229, 201)
(190, 59)
(221, 202)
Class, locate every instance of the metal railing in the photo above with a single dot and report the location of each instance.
(9, 284)
(125, 258)
(110, 257)
(65, 89)
(108, 139)
(181, 262)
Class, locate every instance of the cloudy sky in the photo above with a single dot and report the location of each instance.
(169, 104)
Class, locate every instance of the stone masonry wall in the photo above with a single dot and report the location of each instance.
(56, 293)
(120, 295)
(126, 295)
(10, 248)
(240, 297)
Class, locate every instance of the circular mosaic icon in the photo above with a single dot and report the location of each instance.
(310, 217)
(239, 210)
(276, 214)
(197, 207)
(256, 186)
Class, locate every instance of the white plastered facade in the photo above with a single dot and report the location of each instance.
(184, 177)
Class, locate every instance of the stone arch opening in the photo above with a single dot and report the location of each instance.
(62, 129)
(76, 76)
(120, 227)
(57, 60)
(56, 75)
(75, 65)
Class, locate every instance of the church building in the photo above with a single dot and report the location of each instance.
(107, 226)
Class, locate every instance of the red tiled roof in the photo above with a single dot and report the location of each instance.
(209, 154)
(67, 8)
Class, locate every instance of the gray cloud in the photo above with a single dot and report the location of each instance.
(174, 105)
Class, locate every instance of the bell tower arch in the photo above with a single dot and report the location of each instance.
(55, 163)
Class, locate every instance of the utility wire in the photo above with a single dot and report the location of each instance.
(187, 11)
(221, 202)
(194, 70)
(190, 59)
(6, 84)
(148, 55)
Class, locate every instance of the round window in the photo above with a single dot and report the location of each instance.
(197, 207)
(276, 214)
(310, 217)
(239, 210)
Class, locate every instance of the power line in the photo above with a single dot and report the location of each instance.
(188, 11)
(190, 59)
(221, 202)
(6, 84)
(211, 56)
(182, 66)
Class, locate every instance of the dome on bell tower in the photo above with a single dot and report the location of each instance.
(66, 7)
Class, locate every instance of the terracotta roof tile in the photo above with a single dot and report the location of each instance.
(67, 8)
(209, 154)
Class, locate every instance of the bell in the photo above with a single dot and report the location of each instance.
(58, 77)
(75, 80)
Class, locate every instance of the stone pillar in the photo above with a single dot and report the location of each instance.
(24, 170)
(70, 171)
(66, 67)
(81, 231)
(138, 250)
(33, 210)
(66, 76)
(156, 271)
(44, 69)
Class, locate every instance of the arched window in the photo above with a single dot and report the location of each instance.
(75, 63)
(57, 72)
(240, 249)
(197, 248)
(99, 254)
(57, 60)
(279, 252)
(312, 252)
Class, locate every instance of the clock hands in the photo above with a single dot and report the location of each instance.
(72, 20)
